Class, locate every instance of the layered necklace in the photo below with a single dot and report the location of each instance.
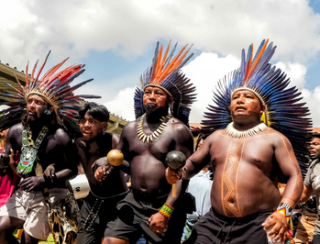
(149, 138)
(231, 131)
(29, 149)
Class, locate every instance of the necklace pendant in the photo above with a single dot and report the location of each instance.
(144, 138)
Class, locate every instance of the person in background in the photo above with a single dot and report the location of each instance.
(308, 230)
(200, 187)
(9, 179)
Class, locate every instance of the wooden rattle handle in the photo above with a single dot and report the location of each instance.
(174, 190)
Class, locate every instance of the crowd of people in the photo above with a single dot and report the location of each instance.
(255, 136)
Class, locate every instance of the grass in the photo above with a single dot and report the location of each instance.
(49, 240)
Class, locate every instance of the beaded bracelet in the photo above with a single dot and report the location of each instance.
(285, 209)
(184, 172)
(166, 210)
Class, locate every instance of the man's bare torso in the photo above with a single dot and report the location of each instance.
(147, 159)
(52, 150)
(115, 182)
(245, 179)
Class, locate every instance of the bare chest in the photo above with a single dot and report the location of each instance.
(254, 151)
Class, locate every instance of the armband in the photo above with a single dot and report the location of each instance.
(285, 209)
(166, 211)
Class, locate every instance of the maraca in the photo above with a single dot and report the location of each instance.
(115, 157)
(175, 160)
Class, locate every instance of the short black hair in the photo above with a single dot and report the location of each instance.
(97, 111)
(316, 134)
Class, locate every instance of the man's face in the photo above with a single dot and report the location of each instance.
(155, 97)
(245, 104)
(91, 127)
(35, 107)
(314, 149)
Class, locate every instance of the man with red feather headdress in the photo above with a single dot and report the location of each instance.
(41, 117)
(150, 208)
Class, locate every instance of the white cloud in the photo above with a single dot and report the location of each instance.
(122, 104)
(204, 71)
(72, 28)
(312, 98)
(295, 71)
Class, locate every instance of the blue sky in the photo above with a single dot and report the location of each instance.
(116, 41)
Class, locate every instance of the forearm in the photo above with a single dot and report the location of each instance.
(65, 175)
(306, 193)
(181, 188)
(125, 167)
(191, 169)
(293, 190)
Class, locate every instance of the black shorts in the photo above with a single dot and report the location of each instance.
(94, 216)
(215, 228)
(133, 212)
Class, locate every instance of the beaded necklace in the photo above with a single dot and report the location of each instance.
(149, 138)
(29, 149)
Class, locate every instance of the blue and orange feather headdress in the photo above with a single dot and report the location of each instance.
(283, 111)
(53, 87)
(165, 73)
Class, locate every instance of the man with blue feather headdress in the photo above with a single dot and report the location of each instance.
(259, 137)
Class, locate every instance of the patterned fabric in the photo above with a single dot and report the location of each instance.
(63, 220)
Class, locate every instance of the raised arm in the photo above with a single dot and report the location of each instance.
(195, 163)
(184, 144)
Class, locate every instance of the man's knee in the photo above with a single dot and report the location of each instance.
(111, 240)
(9, 223)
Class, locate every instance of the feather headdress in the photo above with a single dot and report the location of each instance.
(165, 73)
(283, 111)
(53, 87)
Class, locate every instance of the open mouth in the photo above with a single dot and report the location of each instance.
(32, 113)
(87, 132)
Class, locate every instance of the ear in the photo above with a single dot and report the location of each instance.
(104, 126)
(263, 108)
(170, 100)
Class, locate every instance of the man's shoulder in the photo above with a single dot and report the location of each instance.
(60, 135)
(14, 130)
(177, 124)
(276, 136)
(131, 125)
(17, 127)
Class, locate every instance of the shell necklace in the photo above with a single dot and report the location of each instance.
(149, 138)
(231, 131)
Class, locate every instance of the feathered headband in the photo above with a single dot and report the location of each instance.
(165, 74)
(283, 112)
(53, 87)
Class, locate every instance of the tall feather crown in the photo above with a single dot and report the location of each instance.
(53, 87)
(283, 112)
(165, 73)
